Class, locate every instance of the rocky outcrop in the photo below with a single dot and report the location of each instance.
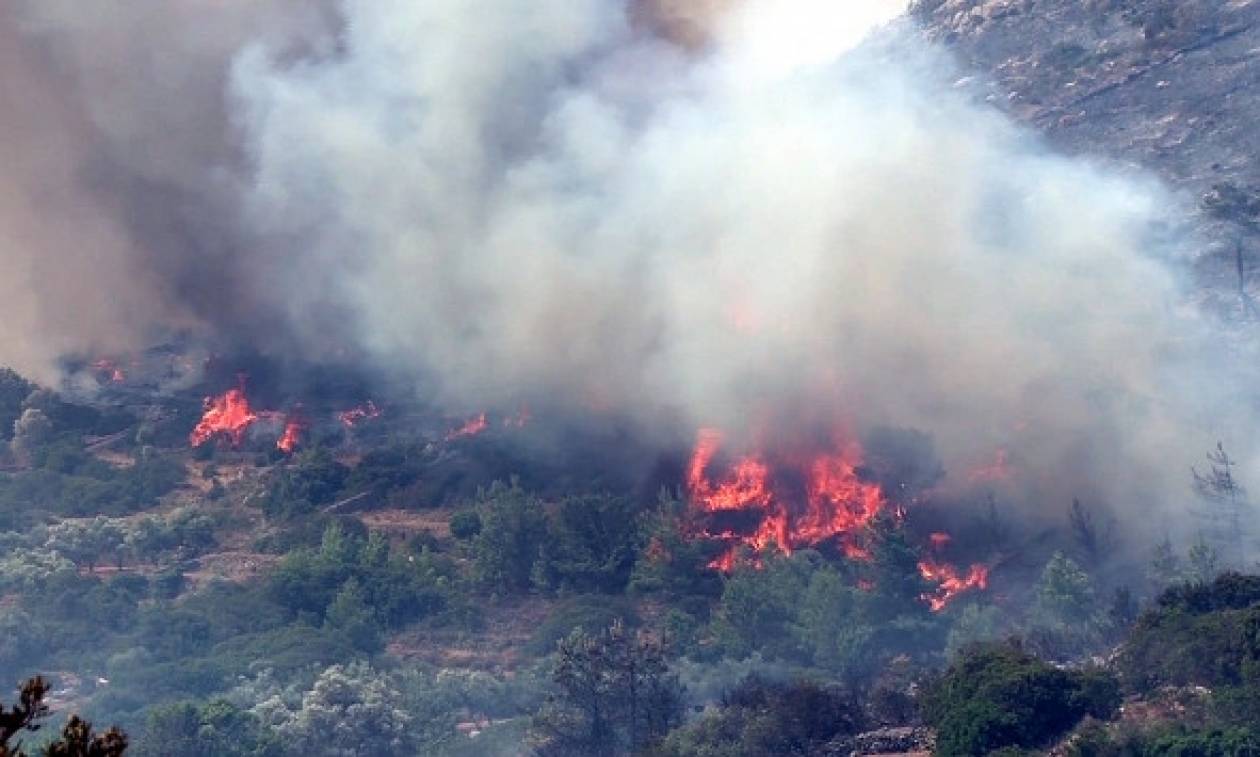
(1172, 86)
(905, 741)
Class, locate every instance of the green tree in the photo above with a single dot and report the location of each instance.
(350, 711)
(830, 625)
(758, 608)
(77, 738)
(13, 390)
(465, 524)
(669, 562)
(509, 547)
(212, 729)
(593, 543)
(614, 696)
(1067, 618)
(350, 613)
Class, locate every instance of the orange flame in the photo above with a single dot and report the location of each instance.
(472, 427)
(837, 503)
(228, 414)
(950, 583)
(352, 417)
(294, 427)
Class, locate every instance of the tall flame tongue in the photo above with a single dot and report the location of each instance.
(229, 414)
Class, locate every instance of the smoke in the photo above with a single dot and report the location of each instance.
(118, 209)
(525, 199)
(731, 214)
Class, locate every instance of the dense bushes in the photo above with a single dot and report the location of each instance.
(1207, 634)
(584, 543)
(997, 695)
(358, 586)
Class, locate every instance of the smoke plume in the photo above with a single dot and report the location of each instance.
(739, 215)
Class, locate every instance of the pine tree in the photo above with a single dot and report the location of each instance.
(1225, 506)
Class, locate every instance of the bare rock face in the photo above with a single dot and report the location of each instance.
(1172, 86)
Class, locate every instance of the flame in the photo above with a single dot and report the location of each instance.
(108, 369)
(294, 427)
(352, 417)
(471, 427)
(229, 414)
(838, 504)
(950, 583)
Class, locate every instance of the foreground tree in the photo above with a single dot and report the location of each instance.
(77, 739)
(615, 696)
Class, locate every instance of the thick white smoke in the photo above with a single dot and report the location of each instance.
(524, 198)
(518, 199)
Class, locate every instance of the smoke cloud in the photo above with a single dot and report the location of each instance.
(739, 215)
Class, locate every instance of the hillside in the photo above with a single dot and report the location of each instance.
(545, 380)
(1168, 86)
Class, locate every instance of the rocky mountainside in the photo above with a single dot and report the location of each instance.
(1169, 85)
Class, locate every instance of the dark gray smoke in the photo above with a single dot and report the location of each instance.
(553, 198)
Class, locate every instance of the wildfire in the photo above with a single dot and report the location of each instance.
(837, 503)
(950, 582)
(481, 422)
(355, 415)
(229, 414)
(471, 427)
(294, 427)
(107, 369)
(830, 502)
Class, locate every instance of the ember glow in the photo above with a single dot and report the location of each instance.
(355, 415)
(950, 582)
(228, 415)
(834, 506)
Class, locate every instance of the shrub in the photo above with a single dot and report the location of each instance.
(465, 525)
(996, 696)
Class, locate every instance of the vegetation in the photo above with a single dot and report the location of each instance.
(407, 599)
(995, 696)
(77, 738)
